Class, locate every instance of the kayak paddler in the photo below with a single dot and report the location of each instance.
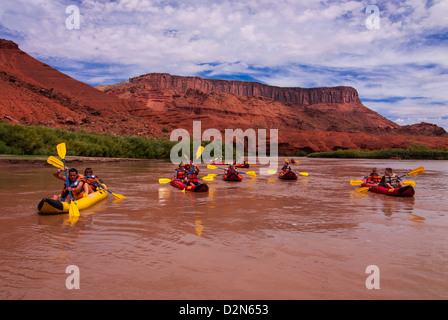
(192, 172)
(231, 170)
(75, 185)
(286, 168)
(390, 180)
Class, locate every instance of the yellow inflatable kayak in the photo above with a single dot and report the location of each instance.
(50, 206)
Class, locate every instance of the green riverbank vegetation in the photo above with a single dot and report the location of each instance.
(415, 151)
(37, 140)
(22, 140)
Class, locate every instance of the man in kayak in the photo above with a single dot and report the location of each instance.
(92, 181)
(231, 170)
(286, 168)
(390, 180)
(192, 172)
(75, 185)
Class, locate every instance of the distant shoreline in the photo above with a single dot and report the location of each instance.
(42, 160)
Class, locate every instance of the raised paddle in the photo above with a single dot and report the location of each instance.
(73, 208)
(58, 164)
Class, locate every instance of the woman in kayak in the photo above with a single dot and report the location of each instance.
(75, 185)
(92, 181)
(390, 180)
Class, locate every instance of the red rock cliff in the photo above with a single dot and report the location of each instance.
(297, 96)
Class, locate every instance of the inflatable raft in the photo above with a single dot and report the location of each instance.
(406, 191)
(50, 206)
(289, 175)
(241, 165)
(232, 177)
(201, 187)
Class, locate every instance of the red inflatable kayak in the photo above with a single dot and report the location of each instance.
(232, 177)
(289, 175)
(241, 165)
(406, 191)
(201, 187)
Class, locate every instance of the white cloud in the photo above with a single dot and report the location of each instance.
(285, 42)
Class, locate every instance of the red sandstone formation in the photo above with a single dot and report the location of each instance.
(297, 96)
(152, 105)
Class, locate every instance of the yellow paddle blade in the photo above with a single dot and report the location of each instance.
(409, 183)
(251, 174)
(272, 172)
(209, 166)
(55, 162)
(118, 196)
(354, 182)
(62, 150)
(304, 173)
(73, 210)
(364, 189)
(186, 157)
(199, 152)
(212, 175)
(207, 178)
(416, 171)
(162, 180)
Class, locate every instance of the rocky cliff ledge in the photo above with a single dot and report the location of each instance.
(297, 96)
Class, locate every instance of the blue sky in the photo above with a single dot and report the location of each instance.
(400, 69)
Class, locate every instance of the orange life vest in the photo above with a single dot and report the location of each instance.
(180, 173)
(375, 178)
(192, 176)
(89, 180)
(77, 196)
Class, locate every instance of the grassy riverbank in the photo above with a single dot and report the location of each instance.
(415, 151)
(21, 140)
(35, 140)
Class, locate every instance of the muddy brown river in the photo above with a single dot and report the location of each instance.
(262, 238)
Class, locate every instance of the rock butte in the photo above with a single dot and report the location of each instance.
(152, 105)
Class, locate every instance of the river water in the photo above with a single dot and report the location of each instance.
(262, 238)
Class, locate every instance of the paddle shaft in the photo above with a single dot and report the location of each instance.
(67, 182)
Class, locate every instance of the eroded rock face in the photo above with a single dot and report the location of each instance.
(152, 105)
(297, 96)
